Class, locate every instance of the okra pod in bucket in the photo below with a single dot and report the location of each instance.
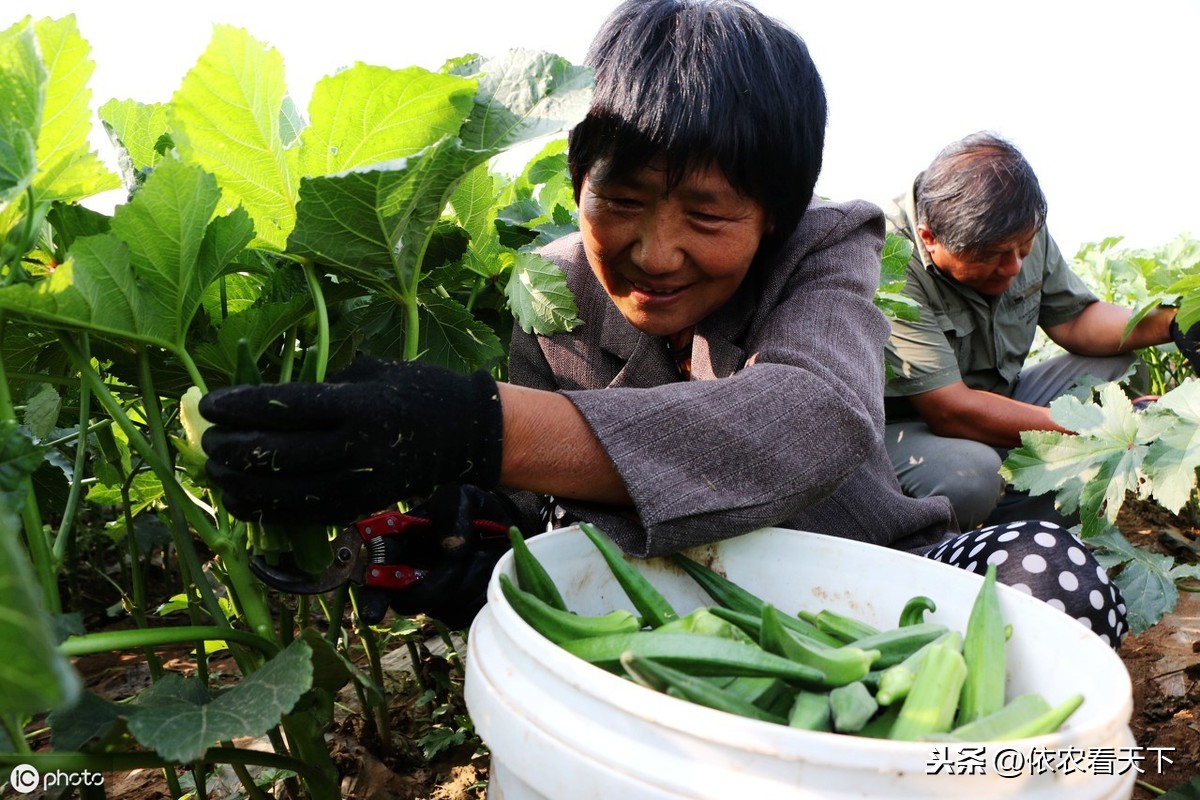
(559, 727)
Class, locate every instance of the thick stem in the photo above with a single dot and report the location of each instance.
(105, 641)
(371, 648)
(76, 489)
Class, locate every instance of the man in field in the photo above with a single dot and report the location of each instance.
(986, 275)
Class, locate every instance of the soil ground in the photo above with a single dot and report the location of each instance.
(1163, 663)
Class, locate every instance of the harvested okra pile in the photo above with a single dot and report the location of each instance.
(819, 671)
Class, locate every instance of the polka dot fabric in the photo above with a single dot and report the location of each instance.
(1048, 562)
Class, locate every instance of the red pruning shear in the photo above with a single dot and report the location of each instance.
(360, 556)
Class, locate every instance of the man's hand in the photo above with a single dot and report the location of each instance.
(458, 558)
(376, 433)
(1188, 343)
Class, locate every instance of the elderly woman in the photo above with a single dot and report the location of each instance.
(728, 373)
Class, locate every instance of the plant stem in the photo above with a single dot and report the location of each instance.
(371, 649)
(314, 288)
(59, 547)
(15, 735)
(91, 643)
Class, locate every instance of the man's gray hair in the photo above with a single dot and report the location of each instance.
(979, 191)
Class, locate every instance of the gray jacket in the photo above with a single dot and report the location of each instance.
(782, 420)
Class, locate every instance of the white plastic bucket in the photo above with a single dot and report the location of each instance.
(559, 728)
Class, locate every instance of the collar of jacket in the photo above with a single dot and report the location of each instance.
(714, 352)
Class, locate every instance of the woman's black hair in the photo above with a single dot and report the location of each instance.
(694, 83)
(978, 192)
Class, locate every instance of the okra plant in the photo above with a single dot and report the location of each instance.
(372, 222)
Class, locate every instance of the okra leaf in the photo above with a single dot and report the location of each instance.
(372, 225)
(68, 169)
(226, 118)
(525, 94)
(144, 280)
(366, 115)
(1146, 580)
(452, 337)
(41, 411)
(91, 717)
(178, 720)
(1184, 791)
(1174, 455)
(135, 128)
(34, 677)
(539, 297)
(22, 91)
(1091, 469)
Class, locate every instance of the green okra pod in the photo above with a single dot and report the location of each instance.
(840, 666)
(933, 700)
(851, 706)
(983, 651)
(654, 608)
(531, 575)
(563, 627)
(660, 677)
(914, 610)
(695, 654)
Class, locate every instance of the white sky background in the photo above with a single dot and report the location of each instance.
(1103, 97)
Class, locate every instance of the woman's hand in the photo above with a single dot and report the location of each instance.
(378, 432)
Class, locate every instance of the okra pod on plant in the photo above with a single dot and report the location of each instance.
(563, 627)
(983, 652)
(531, 575)
(660, 677)
(654, 608)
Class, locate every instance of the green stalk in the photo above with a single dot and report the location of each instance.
(59, 546)
(15, 734)
(318, 296)
(179, 499)
(92, 643)
(371, 648)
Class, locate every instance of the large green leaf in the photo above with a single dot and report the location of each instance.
(144, 280)
(453, 338)
(1174, 454)
(1091, 469)
(68, 169)
(177, 720)
(371, 225)
(33, 676)
(1146, 579)
(523, 95)
(227, 116)
(540, 299)
(22, 92)
(137, 127)
(365, 115)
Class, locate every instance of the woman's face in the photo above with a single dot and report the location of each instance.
(668, 260)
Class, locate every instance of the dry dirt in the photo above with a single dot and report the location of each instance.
(1163, 662)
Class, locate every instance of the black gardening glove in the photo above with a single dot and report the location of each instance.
(376, 433)
(457, 557)
(1188, 343)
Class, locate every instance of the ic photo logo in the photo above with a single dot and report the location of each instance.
(24, 778)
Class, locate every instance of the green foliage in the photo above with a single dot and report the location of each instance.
(371, 221)
(1116, 452)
